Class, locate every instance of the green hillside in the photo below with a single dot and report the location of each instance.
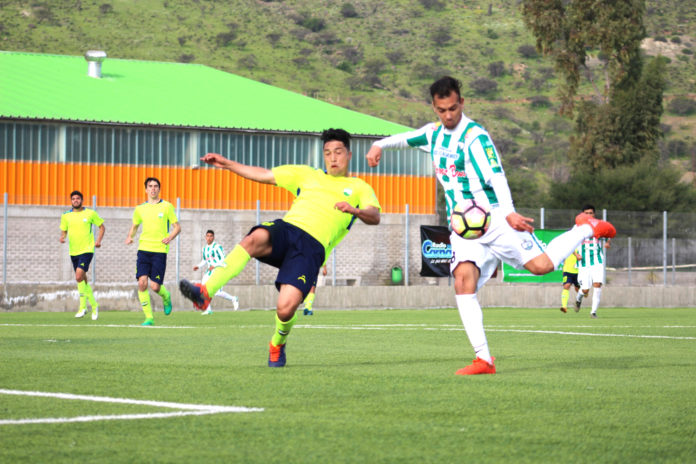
(377, 57)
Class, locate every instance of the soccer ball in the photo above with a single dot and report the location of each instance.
(470, 220)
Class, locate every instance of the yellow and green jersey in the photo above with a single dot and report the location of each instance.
(78, 225)
(316, 193)
(156, 219)
(570, 264)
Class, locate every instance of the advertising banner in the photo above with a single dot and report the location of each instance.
(436, 251)
(510, 274)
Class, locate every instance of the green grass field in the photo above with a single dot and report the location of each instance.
(360, 386)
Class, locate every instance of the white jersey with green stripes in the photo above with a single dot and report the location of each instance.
(591, 253)
(466, 163)
(213, 256)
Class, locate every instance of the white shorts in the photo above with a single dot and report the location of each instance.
(591, 275)
(500, 243)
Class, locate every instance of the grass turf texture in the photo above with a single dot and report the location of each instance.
(360, 386)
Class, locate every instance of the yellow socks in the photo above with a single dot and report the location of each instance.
(234, 264)
(83, 295)
(309, 301)
(164, 293)
(564, 298)
(282, 330)
(89, 294)
(144, 298)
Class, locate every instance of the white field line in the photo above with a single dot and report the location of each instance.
(488, 329)
(127, 326)
(183, 408)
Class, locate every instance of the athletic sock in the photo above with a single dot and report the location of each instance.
(309, 301)
(90, 294)
(596, 297)
(472, 318)
(282, 330)
(144, 298)
(83, 295)
(580, 296)
(234, 264)
(163, 292)
(565, 294)
(562, 246)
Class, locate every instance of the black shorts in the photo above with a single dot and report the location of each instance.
(296, 254)
(151, 264)
(571, 278)
(82, 261)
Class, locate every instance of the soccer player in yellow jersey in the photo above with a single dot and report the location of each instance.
(157, 217)
(570, 277)
(326, 205)
(76, 223)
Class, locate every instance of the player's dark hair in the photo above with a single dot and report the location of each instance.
(153, 178)
(209, 231)
(444, 86)
(589, 206)
(336, 134)
(78, 193)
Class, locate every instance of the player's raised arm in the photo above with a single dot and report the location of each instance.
(255, 173)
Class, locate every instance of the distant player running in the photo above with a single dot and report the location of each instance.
(570, 277)
(326, 206)
(212, 256)
(156, 216)
(467, 165)
(76, 223)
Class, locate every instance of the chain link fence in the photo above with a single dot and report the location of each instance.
(651, 248)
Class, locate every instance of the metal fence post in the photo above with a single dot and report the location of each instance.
(178, 238)
(333, 267)
(664, 248)
(94, 259)
(629, 260)
(4, 246)
(258, 221)
(406, 260)
(541, 215)
(674, 260)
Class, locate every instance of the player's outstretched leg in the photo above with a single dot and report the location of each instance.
(600, 228)
(197, 293)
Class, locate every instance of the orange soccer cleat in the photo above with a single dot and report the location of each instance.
(276, 355)
(479, 366)
(197, 293)
(601, 229)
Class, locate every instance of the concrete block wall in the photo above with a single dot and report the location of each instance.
(35, 254)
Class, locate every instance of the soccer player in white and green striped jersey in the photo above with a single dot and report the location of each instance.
(212, 256)
(591, 268)
(76, 223)
(160, 227)
(468, 166)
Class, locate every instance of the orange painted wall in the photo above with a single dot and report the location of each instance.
(39, 183)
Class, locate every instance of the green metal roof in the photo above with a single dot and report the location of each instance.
(57, 88)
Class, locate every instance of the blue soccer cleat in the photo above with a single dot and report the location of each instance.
(276, 355)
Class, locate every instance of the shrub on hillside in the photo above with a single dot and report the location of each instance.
(496, 69)
(539, 101)
(527, 51)
(682, 106)
(433, 4)
(348, 10)
(484, 86)
(441, 35)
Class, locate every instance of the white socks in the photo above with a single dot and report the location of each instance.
(472, 318)
(596, 297)
(562, 246)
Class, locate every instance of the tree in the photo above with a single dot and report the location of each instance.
(569, 31)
